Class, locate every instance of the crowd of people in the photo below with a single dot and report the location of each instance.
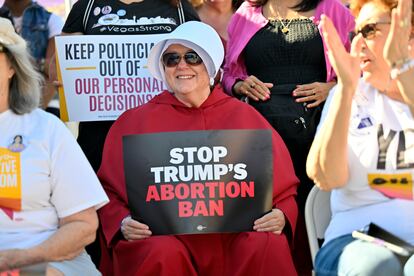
(330, 84)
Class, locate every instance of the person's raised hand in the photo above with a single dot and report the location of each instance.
(346, 65)
(396, 48)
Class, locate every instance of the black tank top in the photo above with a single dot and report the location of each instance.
(293, 58)
(288, 59)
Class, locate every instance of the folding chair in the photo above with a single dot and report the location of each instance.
(317, 217)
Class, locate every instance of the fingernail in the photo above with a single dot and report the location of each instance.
(294, 94)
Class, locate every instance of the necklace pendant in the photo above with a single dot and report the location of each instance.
(285, 30)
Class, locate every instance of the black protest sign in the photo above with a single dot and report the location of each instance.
(199, 181)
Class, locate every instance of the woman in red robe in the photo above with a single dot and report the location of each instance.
(187, 60)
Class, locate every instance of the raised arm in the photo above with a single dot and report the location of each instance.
(327, 162)
(399, 50)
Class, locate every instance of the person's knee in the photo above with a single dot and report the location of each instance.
(264, 241)
(279, 241)
(327, 258)
(156, 255)
(409, 267)
(263, 254)
(166, 247)
(362, 258)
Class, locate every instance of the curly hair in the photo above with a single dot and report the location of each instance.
(387, 5)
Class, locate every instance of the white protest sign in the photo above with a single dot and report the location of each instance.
(103, 76)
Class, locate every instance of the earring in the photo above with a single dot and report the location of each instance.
(211, 81)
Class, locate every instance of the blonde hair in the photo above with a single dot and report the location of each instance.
(26, 84)
(196, 3)
(387, 5)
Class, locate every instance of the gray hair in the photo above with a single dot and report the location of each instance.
(26, 84)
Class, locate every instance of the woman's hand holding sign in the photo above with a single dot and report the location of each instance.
(134, 230)
(271, 222)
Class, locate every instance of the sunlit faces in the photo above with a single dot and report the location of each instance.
(185, 79)
(369, 31)
(373, 65)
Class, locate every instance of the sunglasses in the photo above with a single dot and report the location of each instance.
(172, 59)
(369, 30)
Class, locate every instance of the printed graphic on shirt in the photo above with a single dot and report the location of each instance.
(405, 146)
(10, 180)
(117, 21)
(392, 185)
(17, 145)
(365, 122)
(9, 212)
(97, 11)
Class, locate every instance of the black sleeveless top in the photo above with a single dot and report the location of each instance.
(286, 60)
(296, 57)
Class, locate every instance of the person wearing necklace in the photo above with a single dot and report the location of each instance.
(279, 64)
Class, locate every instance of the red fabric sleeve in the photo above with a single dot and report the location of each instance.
(285, 182)
(111, 175)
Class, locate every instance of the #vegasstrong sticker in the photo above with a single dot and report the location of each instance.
(393, 185)
(10, 180)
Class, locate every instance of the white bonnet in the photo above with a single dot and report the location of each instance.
(200, 37)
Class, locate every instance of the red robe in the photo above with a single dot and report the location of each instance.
(246, 253)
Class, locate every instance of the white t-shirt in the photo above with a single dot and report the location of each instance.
(44, 176)
(55, 25)
(381, 167)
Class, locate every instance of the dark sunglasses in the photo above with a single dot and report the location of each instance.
(369, 30)
(172, 59)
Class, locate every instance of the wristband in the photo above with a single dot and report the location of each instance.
(407, 65)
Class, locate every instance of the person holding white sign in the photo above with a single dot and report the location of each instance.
(47, 212)
(188, 60)
(121, 17)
